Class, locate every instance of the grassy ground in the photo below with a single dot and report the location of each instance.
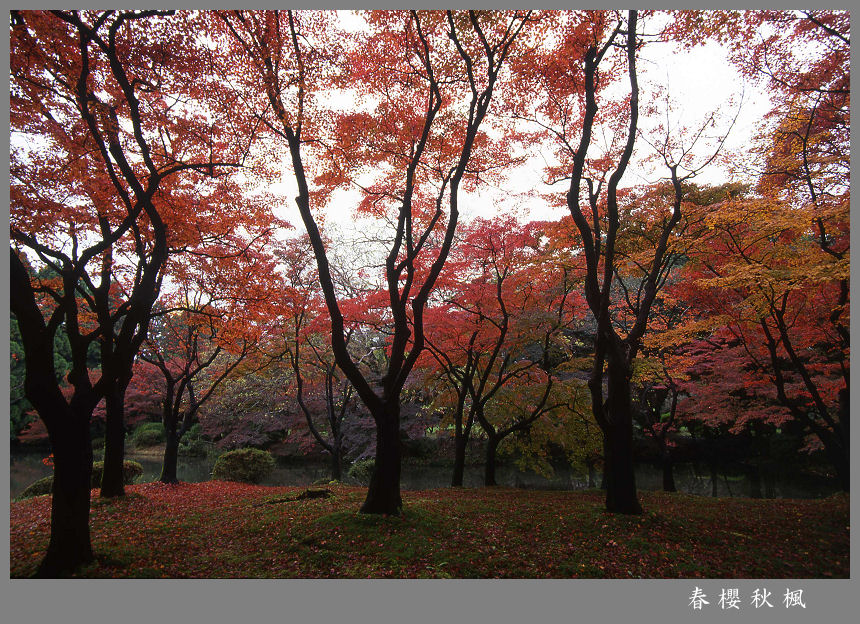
(218, 529)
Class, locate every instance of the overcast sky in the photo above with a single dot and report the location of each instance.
(700, 80)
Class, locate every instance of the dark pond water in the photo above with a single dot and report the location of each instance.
(689, 478)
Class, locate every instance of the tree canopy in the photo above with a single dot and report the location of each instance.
(345, 229)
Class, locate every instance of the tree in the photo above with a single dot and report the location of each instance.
(506, 305)
(619, 303)
(659, 373)
(103, 153)
(426, 110)
(213, 318)
(585, 39)
(613, 412)
(319, 386)
(771, 293)
(808, 161)
(803, 173)
(250, 408)
(142, 397)
(186, 346)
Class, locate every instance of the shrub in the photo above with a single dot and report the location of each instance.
(195, 448)
(148, 434)
(193, 444)
(421, 448)
(247, 465)
(361, 470)
(37, 488)
(194, 431)
(326, 481)
(131, 470)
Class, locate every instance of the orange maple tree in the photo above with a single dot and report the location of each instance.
(761, 283)
(497, 337)
(426, 80)
(771, 270)
(114, 146)
(203, 328)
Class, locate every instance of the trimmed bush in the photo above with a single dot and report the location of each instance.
(148, 434)
(246, 465)
(421, 448)
(38, 488)
(193, 444)
(326, 481)
(195, 448)
(362, 470)
(131, 470)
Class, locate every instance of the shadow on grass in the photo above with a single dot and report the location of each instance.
(357, 545)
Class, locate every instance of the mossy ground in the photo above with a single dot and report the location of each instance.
(232, 530)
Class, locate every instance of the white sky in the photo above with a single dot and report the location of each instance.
(700, 80)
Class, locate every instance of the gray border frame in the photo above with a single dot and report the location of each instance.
(408, 601)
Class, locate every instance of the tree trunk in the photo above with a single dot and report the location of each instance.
(592, 473)
(839, 458)
(618, 445)
(668, 473)
(726, 481)
(490, 463)
(767, 478)
(170, 421)
(336, 463)
(459, 460)
(836, 446)
(620, 480)
(383, 494)
(68, 425)
(843, 412)
(754, 478)
(113, 483)
(714, 478)
(171, 456)
(70, 545)
(842, 459)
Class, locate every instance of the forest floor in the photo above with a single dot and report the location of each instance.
(230, 530)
